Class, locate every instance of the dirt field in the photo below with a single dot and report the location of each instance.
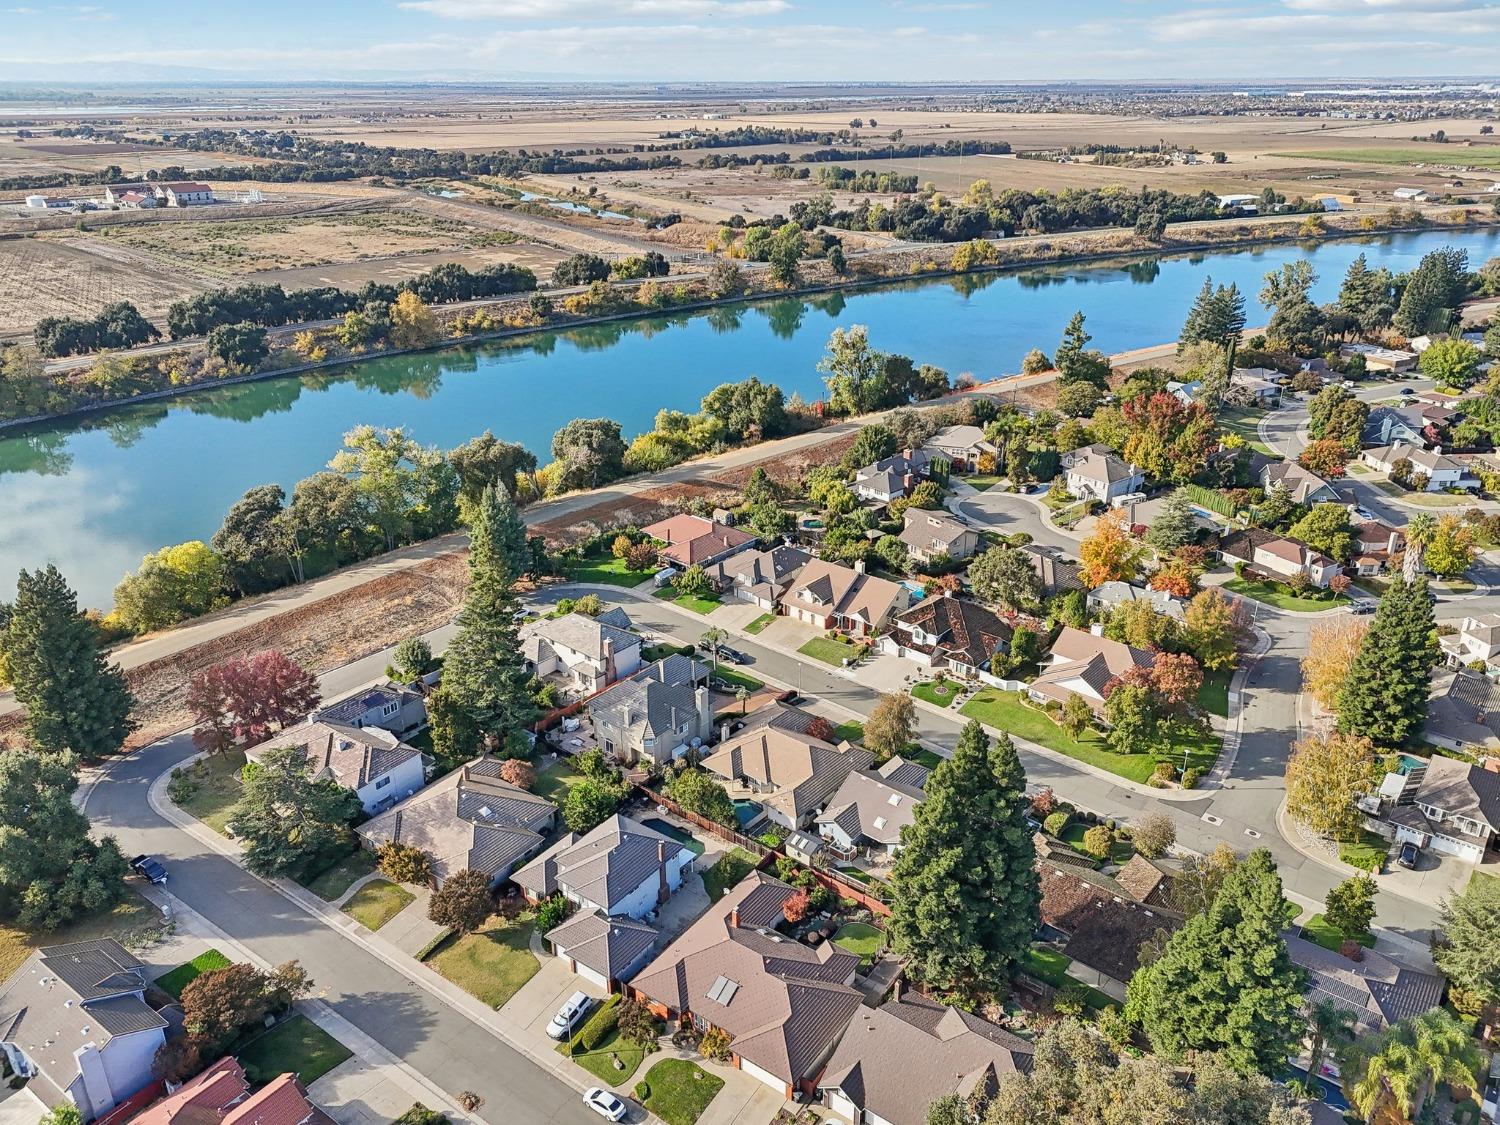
(42, 156)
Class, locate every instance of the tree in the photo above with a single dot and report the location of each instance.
(1215, 627)
(1350, 906)
(1326, 528)
(638, 1025)
(1366, 296)
(1078, 399)
(1386, 696)
(1470, 957)
(172, 584)
(725, 279)
(1035, 362)
(75, 699)
(51, 870)
(1077, 716)
(218, 1003)
(521, 774)
(290, 824)
(786, 251)
(1169, 440)
(1154, 835)
(852, 371)
(1325, 457)
(873, 443)
(412, 322)
(401, 483)
(697, 792)
(1450, 549)
(326, 512)
(1137, 623)
(462, 902)
(750, 409)
(1004, 574)
(1451, 362)
(246, 699)
(1199, 880)
(1324, 776)
(402, 863)
(580, 269)
(1098, 840)
(591, 802)
(795, 908)
(1329, 1025)
(892, 725)
(1225, 981)
(1110, 553)
(241, 346)
(1398, 1067)
(1433, 290)
(411, 659)
(249, 541)
(964, 890)
(1134, 719)
(485, 460)
(1331, 649)
(1074, 363)
(1175, 525)
(589, 452)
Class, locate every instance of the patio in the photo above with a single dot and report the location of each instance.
(579, 740)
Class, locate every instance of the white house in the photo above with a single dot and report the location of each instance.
(1455, 810)
(375, 764)
(1442, 472)
(1083, 664)
(1380, 359)
(1104, 477)
(185, 194)
(1278, 555)
(891, 478)
(585, 654)
(930, 535)
(1478, 638)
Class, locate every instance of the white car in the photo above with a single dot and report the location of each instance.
(570, 1015)
(1364, 513)
(605, 1104)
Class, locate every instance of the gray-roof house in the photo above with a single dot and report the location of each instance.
(584, 653)
(1377, 990)
(1302, 486)
(74, 1020)
(1388, 425)
(470, 818)
(929, 535)
(1103, 476)
(760, 577)
(896, 1060)
(790, 775)
(1463, 712)
(892, 477)
(656, 714)
(400, 709)
(960, 446)
(1455, 810)
(1112, 595)
(1057, 572)
(868, 811)
(375, 764)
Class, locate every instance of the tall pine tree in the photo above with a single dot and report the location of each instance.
(76, 700)
(964, 888)
(1385, 698)
(484, 690)
(1225, 981)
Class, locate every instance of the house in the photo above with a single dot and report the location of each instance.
(221, 1096)
(1376, 990)
(893, 477)
(952, 634)
(1093, 920)
(1441, 471)
(1477, 639)
(1454, 809)
(1056, 571)
(695, 541)
(1256, 387)
(185, 194)
(1103, 477)
(869, 810)
(1302, 486)
(1112, 595)
(1184, 393)
(1375, 544)
(1463, 712)
(871, 1079)
(1278, 555)
(470, 818)
(373, 762)
(1380, 359)
(830, 595)
(606, 949)
(397, 708)
(74, 1020)
(1147, 881)
(783, 1004)
(656, 714)
(760, 577)
(130, 195)
(136, 200)
(1390, 425)
(790, 775)
(930, 536)
(1083, 664)
(961, 447)
(620, 867)
(585, 654)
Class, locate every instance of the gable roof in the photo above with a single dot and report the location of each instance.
(898, 771)
(794, 773)
(1113, 594)
(967, 438)
(872, 806)
(693, 539)
(826, 588)
(658, 698)
(1244, 543)
(1105, 927)
(205, 1098)
(1096, 660)
(1464, 707)
(765, 573)
(592, 637)
(353, 708)
(282, 1101)
(604, 866)
(1378, 990)
(1461, 788)
(1104, 467)
(608, 945)
(1300, 484)
(1427, 460)
(922, 528)
(353, 756)
(966, 630)
(1146, 881)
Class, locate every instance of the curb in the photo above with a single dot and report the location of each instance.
(1290, 835)
(1234, 723)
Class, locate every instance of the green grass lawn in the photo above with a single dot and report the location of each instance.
(940, 695)
(128, 922)
(554, 782)
(377, 902)
(1316, 929)
(216, 789)
(1005, 710)
(1213, 696)
(1051, 967)
(924, 757)
(1119, 852)
(679, 1090)
(606, 571)
(982, 482)
(698, 603)
(336, 880)
(756, 627)
(175, 980)
(493, 962)
(730, 868)
(297, 1045)
(1478, 875)
(652, 653)
(1367, 853)
(829, 651)
(1278, 594)
(852, 731)
(737, 678)
(1432, 153)
(600, 1062)
(861, 939)
(1423, 499)
(1245, 424)
(859, 876)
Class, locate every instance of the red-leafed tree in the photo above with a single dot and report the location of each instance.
(1176, 578)
(796, 906)
(1325, 457)
(821, 728)
(246, 699)
(1170, 440)
(1176, 678)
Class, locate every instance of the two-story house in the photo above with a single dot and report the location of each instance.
(1083, 664)
(657, 714)
(953, 634)
(1375, 544)
(892, 477)
(830, 595)
(788, 773)
(1389, 425)
(761, 577)
(1278, 555)
(1103, 476)
(1442, 472)
(375, 764)
(1454, 809)
(870, 809)
(397, 708)
(961, 446)
(1302, 486)
(584, 654)
(1477, 639)
(932, 535)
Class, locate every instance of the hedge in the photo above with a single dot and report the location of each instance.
(1210, 499)
(600, 1024)
(431, 947)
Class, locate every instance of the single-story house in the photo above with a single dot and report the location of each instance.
(831, 595)
(1463, 712)
(657, 714)
(695, 541)
(931, 535)
(869, 810)
(375, 764)
(1376, 990)
(1375, 544)
(398, 708)
(948, 633)
(1440, 470)
(1147, 881)
(1083, 664)
(1279, 555)
(892, 477)
(1103, 477)
(1259, 389)
(1057, 572)
(1454, 809)
(621, 867)
(1112, 595)
(960, 446)
(585, 653)
(1303, 487)
(1380, 359)
(790, 775)
(783, 1004)
(1097, 924)
(761, 577)
(221, 1096)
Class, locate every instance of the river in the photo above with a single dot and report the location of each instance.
(94, 494)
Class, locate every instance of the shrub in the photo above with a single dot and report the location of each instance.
(642, 1090)
(1164, 774)
(419, 1114)
(638, 1025)
(551, 912)
(462, 902)
(600, 1024)
(402, 863)
(1070, 1000)
(1154, 835)
(714, 1044)
(518, 773)
(1043, 803)
(1191, 778)
(1114, 1026)
(412, 658)
(1097, 841)
(1055, 823)
(432, 946)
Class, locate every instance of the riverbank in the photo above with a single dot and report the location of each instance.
(1066, 253)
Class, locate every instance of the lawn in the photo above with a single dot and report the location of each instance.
(940, 695)
(1051, 967)
(852, 731)
(129, 922)
(1431, 154)
(652, 653)
(924, 757)
(756, 627)
(606, 571)
(1213, 696)
(830, 651)
(1478, 875)
(1005, 710)
(1278, 594)
(493, 962)
(731, 867)
(297, 1045)
(600, 1062)
(678, 1090)
(1423, 499)
(377, 902)
(175, 980)
(215, 789)
(1120, 851)
(859, 876)
(1245, 424)
(336, 880)
(982, 483)
(738, 679)
(554, 782)
(1317, 930)
(1367, 853)
(698, 603)
(861, 939)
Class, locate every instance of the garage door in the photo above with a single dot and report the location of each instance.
(1460, 848)
(842, 1106)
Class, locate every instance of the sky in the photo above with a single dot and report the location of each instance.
(749, 40)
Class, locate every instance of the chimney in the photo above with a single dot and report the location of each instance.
(734, 916)
(859, 566)
(663, 890)
(1097, 629)
(898, 989)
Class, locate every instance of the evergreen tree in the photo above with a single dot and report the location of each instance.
(1074, 363)
(1175, 525)
(292, 825)
(1225, 981)
(1386, 696)
(75, 699)
(1366, 296)
(1440, 281)
(965, 889)
(484, 689)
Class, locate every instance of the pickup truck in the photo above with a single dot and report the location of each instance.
(149, 868)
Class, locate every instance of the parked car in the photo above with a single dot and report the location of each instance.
(149, 868)
(733, 655)
(1406, 391)
(570, 1015)
(1364, 513)
(1408, 855)
(1362, 607)
(605, 1104)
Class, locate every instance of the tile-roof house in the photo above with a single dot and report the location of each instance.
(783, 1004)
(831, 595)
(1112, 595)
(1388, 425)
(949, 633)
(606, 949)
(620, 867)
(470, 818)
(586, 653)
(1478, 638)
(760, 577)
(1083, 664)
(74, 1020)
(693, 540)
(1302, 486)
(1103, 476)
(929, 535)
(790, 775)
(220, 1096)
(896, 1060)
(886, 480)
(1455, 810)
(656, 714)
(1440, 470)
(1374, 545)
(1376, 989)
(1147, 881)
(375, 764)
(1278, 555)
(397, 708)
(960, 446)
(1057, 572)
(1463, 712)
(1096, 922)
(868, 811)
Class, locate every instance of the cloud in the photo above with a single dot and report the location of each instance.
(19, 12)
(90, 13)
(594, 9)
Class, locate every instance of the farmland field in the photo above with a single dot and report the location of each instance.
(1429, 154)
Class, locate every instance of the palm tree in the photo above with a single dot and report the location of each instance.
(1419, 531)
(1408, 1061)
(1332, 1026)
(742, 693)
(711, 640)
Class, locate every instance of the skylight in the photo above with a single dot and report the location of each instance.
(723, 990)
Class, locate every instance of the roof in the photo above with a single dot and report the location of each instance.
(1300, 484)
(1461, 788)
(1112, 594)
(1465, 707)
(898, 771)
(592, 637)
(655, 699)
(1146, 881)
(960, 437)
(282, 1101)
(198, 1101)
(605, 865)
(1378, 990)
(351, 709)
(959, 1053)
(872, 806)
(1056, 571)
(353, 756)
(827, 588)
(965, 629)
(764, 572)
(607, 945)
(792, 772)
(693, 539)
(1105, 927)
(186, 186)
(1427, 460)
(1244, 543)
(783, 1003)
(928, 530)
(1104, 467)
(1080, 655)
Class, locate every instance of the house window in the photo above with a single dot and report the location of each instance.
(609, 746)
(383, 782)
(390, 709)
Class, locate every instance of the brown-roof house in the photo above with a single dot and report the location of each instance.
(954, 634)
(1083, 664)
(1098, 924)
(783, 1004)
(830, 595)
(693, 540)
(789, 774)
(221, 1096)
